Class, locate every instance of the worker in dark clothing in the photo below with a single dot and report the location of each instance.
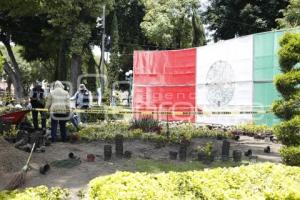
(37, 100)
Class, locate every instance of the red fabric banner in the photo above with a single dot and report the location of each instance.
(165, 81)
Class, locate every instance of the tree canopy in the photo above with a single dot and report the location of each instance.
(173, 24)
(230, 18)
(291, 15)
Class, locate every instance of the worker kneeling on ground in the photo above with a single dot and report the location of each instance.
(58, 103)
(83, 100)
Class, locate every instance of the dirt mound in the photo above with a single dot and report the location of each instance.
(11, 159)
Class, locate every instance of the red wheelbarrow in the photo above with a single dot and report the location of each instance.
(11, 118)
(14, 117)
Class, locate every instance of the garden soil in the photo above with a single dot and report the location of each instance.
(11, 159)
(77, 178)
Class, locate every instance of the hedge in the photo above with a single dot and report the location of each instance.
(36, 193)
(260, 181)
(291, 155)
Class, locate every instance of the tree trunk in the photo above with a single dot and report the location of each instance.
(62, 63)
(76, 63)
(91, 81)
(11, 76)
(198, 31)
(14, 72)
(56, 70)
(9, 83)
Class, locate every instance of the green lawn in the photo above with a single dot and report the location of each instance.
(155, 166)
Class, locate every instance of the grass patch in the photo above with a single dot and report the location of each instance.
(156, 166)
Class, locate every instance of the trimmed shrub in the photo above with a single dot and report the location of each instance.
(37, 193)
(288, 132)
(261, 181)
(291, 155)
(287, 109)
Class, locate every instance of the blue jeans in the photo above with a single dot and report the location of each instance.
(74, 120)
(62, 126)
(82, 117)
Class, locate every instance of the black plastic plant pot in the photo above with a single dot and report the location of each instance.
(107, 152)
(224, 158)
(127, 154)
(44, 169)
(119, 139)
(10, 139)
(173, 155)
(209, 159)
(220, 137)
(237, 156)
(201, 156)
(267, 149)
(182, 153)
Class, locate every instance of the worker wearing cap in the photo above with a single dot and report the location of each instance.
(83, 100)
(37, 100)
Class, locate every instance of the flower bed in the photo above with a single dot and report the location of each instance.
(253, 130)
(108, 131)
(261, 181)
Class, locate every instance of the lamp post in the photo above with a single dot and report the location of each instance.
(129, 78)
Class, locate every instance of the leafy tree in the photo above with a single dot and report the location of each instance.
(198, 30)
(114, 66)
(231, 18)
(130, 15)
(173, 24)
(11, 66)
(91, 69)
(287, 84)
(22, 25)
(291, 15)
(30, 71)
(75, 20)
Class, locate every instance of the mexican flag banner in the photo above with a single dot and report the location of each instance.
(223, 80)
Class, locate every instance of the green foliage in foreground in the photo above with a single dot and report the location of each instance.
(185, 132)
(37, 193)
(291, 155)
(261, 181)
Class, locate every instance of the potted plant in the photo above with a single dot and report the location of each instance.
(206, 153)
(173, 155)
(208, 149)
(10, 135)
(201, 155)
(237, 156)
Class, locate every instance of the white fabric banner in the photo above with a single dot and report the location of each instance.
(225, 80)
